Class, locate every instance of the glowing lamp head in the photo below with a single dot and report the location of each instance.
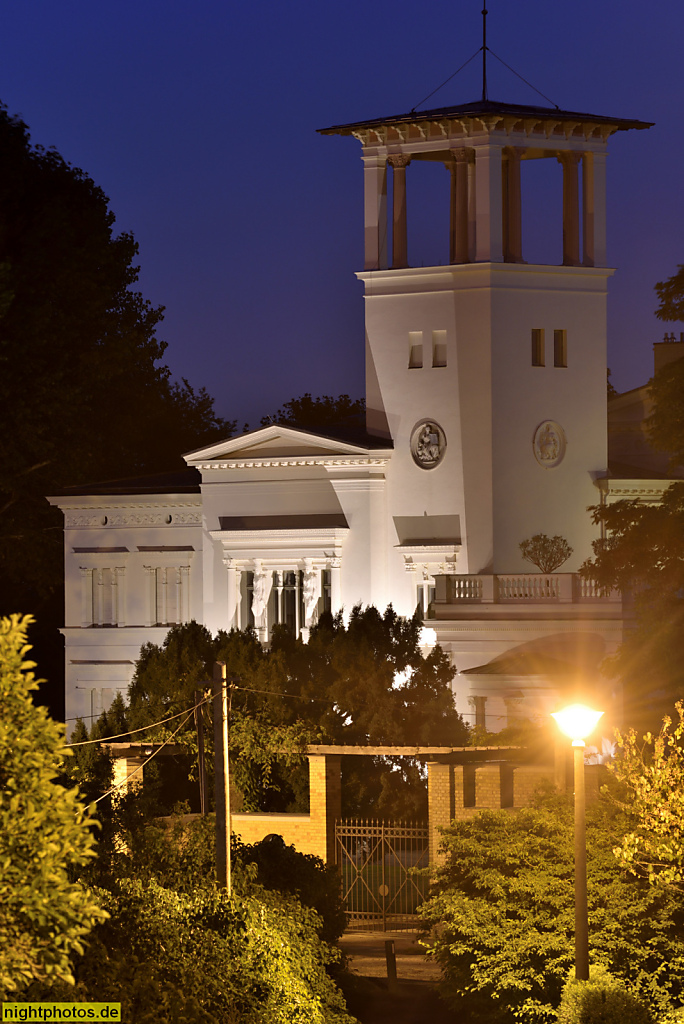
(577, 721)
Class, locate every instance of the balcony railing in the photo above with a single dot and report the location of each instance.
(518, 588)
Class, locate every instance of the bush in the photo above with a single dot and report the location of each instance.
(302, 875)
(502, 914)
(601, 1000)
(205, 958)
(45, 832)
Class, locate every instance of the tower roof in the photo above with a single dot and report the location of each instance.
(488, 109)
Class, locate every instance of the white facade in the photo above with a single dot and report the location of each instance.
(486, 419)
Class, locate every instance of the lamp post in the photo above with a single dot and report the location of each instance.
(577, 722)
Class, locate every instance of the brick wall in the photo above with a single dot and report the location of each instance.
(457, 792)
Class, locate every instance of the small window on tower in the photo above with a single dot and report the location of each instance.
(439, 348)
(560, 348)
(537, 347)
(415, 350)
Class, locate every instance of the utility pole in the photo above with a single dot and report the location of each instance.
(222, 777)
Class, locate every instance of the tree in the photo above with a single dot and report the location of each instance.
(366, 682)
(671, 296)
(547, 553)
(502, 914)
(319, 414)
(652, 772)
(83, 394)
(45, 833)
(666, 423)
(641, 553)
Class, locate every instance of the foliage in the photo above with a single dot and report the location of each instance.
(319, 414)
(653, 774)
(365, 682)
(502, 914)
(44, 832)
(601, 1000)
(547, 553)
(671, 296)
(202, 957)
(83, 394)
(665, 425)
(641, 553)
(315, 884)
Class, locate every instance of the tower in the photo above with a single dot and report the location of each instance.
(489, 374)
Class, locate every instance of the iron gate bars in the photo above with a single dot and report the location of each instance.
(376, 861)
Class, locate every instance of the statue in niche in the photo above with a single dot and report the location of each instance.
(310, 593)
(260, 592)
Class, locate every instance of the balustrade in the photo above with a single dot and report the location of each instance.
(520, 588)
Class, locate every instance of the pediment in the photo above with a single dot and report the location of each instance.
(274, 442)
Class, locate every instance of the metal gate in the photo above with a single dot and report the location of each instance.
(377, 861)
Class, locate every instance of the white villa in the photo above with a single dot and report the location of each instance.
(486, 424)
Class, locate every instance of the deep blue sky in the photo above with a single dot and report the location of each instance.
(199, 122)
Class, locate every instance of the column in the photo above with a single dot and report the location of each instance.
(232, 593)
(512, 220)
(488, 204)
(458, 227)
(335, 585)
(570, 209)
(163, 612)
(151, 617)
(594, 209)
(86, 597)
(375, 212)
(98, 597)
(184, 597)
(399, 163)
(119, 596)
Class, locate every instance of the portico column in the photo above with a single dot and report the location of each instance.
(335, 585)
(375, 212)
(399, 163)
(233, 593)
(570, 209)
(594, 209)
(458, 227)
(512, 219)
(488, 204)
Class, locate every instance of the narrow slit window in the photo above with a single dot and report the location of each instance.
(415, 350)
(560, 348)
(537, 347)
(439, 348)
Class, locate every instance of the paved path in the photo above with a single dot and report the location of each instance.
(415, 999)
(366, 951)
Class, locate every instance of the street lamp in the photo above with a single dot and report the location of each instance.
(577, 722)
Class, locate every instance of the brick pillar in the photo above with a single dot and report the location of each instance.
(440, 805)
(325, 802)
(124, 768)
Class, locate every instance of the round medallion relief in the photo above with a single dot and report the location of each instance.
(549, 444)
(428, 444)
